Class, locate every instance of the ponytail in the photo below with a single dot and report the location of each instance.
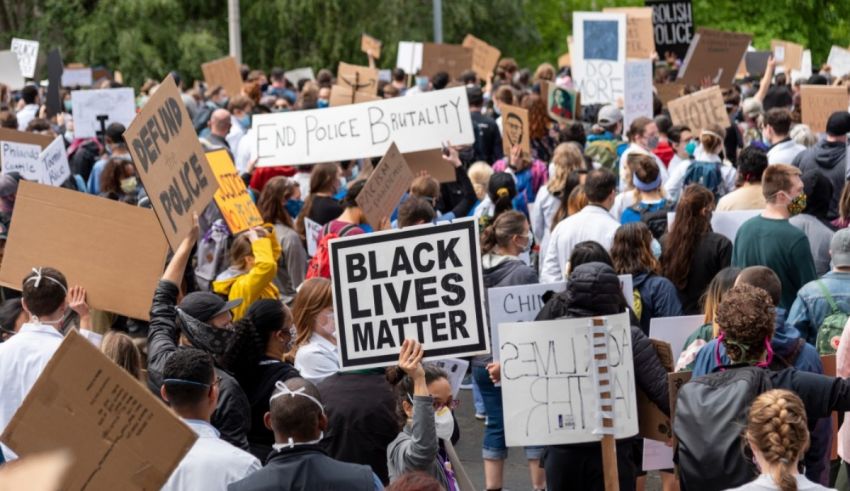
(777, 428)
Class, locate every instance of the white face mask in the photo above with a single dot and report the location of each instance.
(445, 423)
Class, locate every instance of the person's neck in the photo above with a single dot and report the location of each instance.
(841, 269)
(836, 139)
(776, 212)
(327, 337)
(200, 414)
(601, 205)
(348, 216)
(219, 134)
(274, 350)
(767, 468)
(474, 109)
(651, 195)
(775, 139)
(326, 194)
(283, 439)
(505, 251)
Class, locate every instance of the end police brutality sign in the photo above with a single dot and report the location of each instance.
(417, 122)
(420, 283)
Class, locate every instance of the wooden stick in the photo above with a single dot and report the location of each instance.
(609, 446)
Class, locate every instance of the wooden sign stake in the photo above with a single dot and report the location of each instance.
(606, 398)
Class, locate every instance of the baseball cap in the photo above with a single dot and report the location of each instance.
(203, 306)
(752, 107)
(609, 115)
(838, 123)
(839, 248)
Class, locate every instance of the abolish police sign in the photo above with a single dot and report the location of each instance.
(422, 283)
(354, 131)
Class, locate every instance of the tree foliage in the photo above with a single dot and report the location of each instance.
(147, 38)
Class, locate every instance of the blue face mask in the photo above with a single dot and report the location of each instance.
(656, 249)
(322, 103)
(691, 147)
(67, 105)
(245, 121)
(293, 207)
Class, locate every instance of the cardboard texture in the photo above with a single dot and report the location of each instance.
(640, 37)
(232, 198)
(40, 472)
(432, 162)
(342, 96)
(65, 229)
(818, 102)
(120, 435)
(10, 71)
(669, 91)
(756, 62)
(673, 22)
(714, 55)
(385, 187)
(42, 141)
(653, 423)
(791, 54)
(484, 57)
(55, 67)
(27, 52)
(515, 130)
(170, 161)
(453, 59)
(700, 109)
(370, 46)
(357, 78)
(224, 72)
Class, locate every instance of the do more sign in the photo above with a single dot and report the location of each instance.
(421, 283)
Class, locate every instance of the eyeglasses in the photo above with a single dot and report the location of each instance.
(452, 404)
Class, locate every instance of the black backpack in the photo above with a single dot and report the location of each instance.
(711, 413)
(655, 220)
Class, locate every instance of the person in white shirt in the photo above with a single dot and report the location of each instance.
(593, 222)
(315, 350)
(680, 138)
(708, 152)
(29, 95)
(240, 108)
(643, 138)
(190, 387)
(777, 127)
(566, 158)
(45, 298)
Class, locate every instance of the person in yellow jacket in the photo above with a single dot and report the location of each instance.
(253, 267)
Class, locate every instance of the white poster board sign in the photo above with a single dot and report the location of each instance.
(27, 52)
(22, 158)
(839, 61)
(409, 57)
(355, 131)
(421, 283)
(550, 381)
(455, 369)
(725, 223)
(638, 99)
(299, 74)
(118, 105)
(313, 230)
(77, 77)
(10, 71)
(599, 60)
(54, 163)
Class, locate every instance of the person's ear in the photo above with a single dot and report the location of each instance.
(24, 306)
(323, 422)
(267, 421)
(213, 395)
(163, 394)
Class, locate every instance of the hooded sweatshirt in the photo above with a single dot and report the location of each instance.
(254, 284)
(658, 298)
(828, 158)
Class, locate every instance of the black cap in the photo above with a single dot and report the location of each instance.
(838, 123)
(474, 95)
(203, 306)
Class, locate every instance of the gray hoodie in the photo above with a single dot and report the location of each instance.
(829, 158)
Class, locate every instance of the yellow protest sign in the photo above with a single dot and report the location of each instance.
(232, 197)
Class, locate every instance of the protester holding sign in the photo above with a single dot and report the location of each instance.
(279, 199)
(253, 267)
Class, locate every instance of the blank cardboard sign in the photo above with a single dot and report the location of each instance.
(715, 55)
(432, 162)
(818, 102)
(453, 59)
(224, 72)
(114, 250)
(119, 434)
(484, 57)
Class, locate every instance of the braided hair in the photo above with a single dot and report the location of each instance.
(777, 428)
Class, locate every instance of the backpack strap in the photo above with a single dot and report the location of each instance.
(829, 299)
(348, 228)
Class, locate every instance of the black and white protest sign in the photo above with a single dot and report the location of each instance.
(673, 22)
(108, 105)
(27, 52)
(355, 131)
(420, 283)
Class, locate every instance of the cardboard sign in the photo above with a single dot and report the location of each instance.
(364, 130)
(420, 282)
(10, 71)
(386, 185)
(357, 78)
(455, 369)
(299, 74)
(700, 109)
(432, 162)
(756, 62)
(515, 130)
(818, 102)
(90, 106)
(54, 83)
(653, 423)
(27, 52)
(54, 163)
(20, 152)
(787, 54)
(550, 380)
(640, 36)
(370, 46)
(76, 77)
(342, 96)
(66, 229)
(224, 72)
(638, 99)
(120, 435)
(512, 304)
(562, 104)
(170, 161)
(599, 59)
(314, 230)
(232, 198)
(485, 58)
(669, 91)
(714, 55)
(453, 59)
(409, 57)
(674, 26)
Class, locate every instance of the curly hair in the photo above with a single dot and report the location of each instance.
(686, 232)
(777, 427)
(746, 318)
(632, 250)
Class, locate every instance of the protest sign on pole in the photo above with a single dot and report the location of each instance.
(485, 58)
(714, 55)
(787, 54)
(599, 58)
(54, 163)
(700, 109)
(515, 130)
(120, 435)
(342, 95)
(298, 74)
(419, 282)
(370, 46)
(94, 110)
(550, 384)
(224, 72)
(432, 162)
(70, 228)
(232, 198)
(818, 102)
(10, 71)
(640, 37)
(638, 98)
(453, 59)
(27, 52)
(356, 131)
(358, 79)
(20, 152)
(674, 26)
(55, 67)
(386, 185)
(170, 161)
(77, 76)
(409, 57)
